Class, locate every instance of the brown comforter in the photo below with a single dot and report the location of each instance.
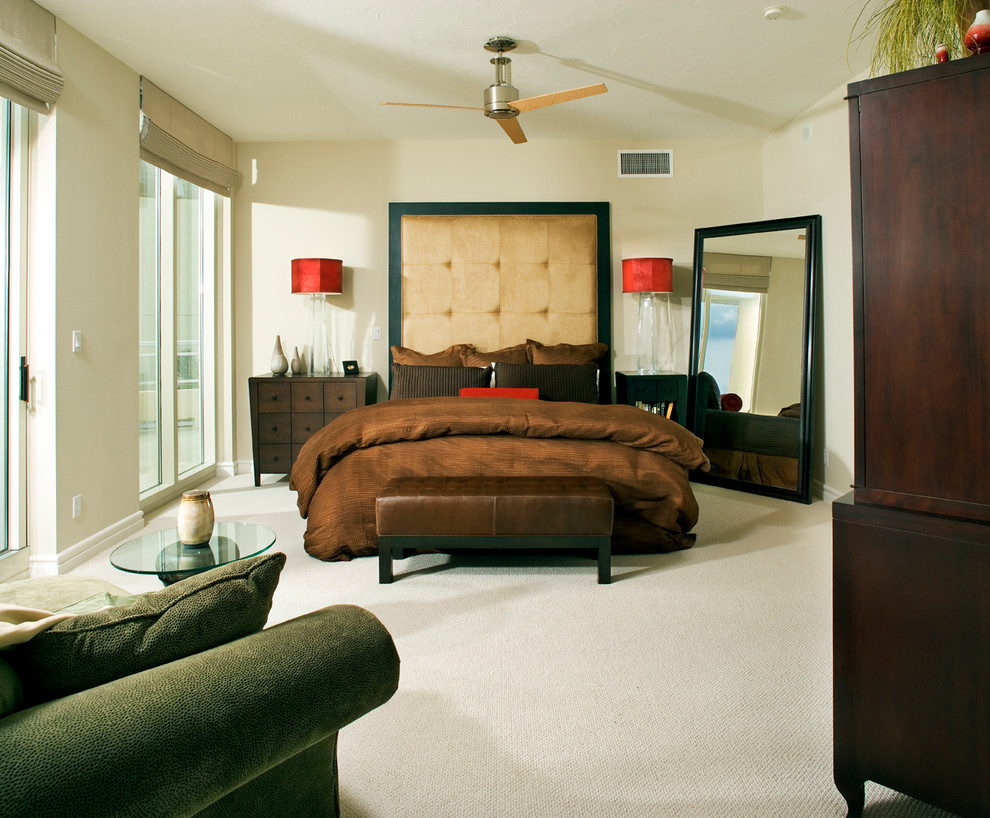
(643, 457)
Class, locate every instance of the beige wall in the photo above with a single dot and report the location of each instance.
(83, 276)
(781, 355)
(331, 200)
(806, 171)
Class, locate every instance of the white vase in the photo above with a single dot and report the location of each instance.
(195, 518)
(280, 364)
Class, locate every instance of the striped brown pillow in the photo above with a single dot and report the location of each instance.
(557, 382)
(436, 381)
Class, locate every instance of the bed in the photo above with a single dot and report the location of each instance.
(746, 446)
(511, 296)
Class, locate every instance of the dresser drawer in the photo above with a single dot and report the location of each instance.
(653, 391)
(307, 397)
(275, 427)
(339, 397)
(643, 391)
(275, 457)
(305, 425)
(273, 397)
(329, 416)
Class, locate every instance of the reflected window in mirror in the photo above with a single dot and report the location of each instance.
(752, 328)
(732, 327)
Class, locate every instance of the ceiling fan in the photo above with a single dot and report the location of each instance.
(502, 101)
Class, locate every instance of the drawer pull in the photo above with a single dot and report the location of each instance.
(340, 397)
(306, 398)
(274, 428)
(275, 459)
(306, 429)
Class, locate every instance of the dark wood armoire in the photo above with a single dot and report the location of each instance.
(912, 540)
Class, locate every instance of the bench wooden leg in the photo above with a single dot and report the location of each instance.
(605, 562)
(384, 561)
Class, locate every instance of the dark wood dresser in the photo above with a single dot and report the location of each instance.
(287, 411)
(911, 543)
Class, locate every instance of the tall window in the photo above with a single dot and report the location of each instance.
(178, 228)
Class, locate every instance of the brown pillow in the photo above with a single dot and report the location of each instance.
(451, 356)
(576, 354)
(517, 354)
(436, 381)
(556, 382)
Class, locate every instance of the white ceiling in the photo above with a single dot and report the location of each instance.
(301, 70)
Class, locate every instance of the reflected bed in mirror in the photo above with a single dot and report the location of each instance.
(752, 342)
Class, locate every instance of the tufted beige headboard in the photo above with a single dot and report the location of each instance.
(494, 275)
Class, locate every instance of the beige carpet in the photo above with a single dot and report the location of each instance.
(696, 685)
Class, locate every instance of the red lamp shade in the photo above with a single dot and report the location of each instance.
(647, 275)
(317, 275)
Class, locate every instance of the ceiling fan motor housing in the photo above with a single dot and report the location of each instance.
(497, 99)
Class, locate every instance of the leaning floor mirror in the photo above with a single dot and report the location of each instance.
(752, 345)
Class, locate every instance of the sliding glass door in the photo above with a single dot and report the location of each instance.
(14, 121)
(178, 228)
(5, 179)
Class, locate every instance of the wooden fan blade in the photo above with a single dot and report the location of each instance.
(427, 105)
(512, 129)
(532, 103)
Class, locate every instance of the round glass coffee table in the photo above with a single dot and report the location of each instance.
(161, 553)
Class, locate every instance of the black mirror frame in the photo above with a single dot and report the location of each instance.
(812, 225)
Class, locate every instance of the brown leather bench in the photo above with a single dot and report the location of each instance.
(451, 513)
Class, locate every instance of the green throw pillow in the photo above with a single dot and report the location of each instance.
(193, 615)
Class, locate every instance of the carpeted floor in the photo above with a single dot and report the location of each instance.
(696, 685)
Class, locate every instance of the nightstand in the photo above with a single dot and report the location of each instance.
(654, 392)
(287, 410)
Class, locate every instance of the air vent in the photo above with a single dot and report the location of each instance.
(656, 164)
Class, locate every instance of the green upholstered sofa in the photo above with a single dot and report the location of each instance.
(245, 728)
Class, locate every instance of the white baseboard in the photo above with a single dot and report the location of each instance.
(827, 493)
(75, 555)
(229, 468)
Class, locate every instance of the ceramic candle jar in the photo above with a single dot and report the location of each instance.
(195, 518)
(978, 35)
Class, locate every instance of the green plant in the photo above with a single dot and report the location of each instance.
(905, 32)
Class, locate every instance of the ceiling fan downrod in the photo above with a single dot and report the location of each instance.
(499, 95)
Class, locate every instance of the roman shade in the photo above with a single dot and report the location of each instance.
(737, 273)
(29, 75)
(175, 139)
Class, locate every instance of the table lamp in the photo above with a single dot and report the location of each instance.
(318, 278)
(653, 279)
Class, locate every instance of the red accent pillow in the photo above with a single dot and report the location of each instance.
(500, 392)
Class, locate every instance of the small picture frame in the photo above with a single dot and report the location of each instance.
(351, 368)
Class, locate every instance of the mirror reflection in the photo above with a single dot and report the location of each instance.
(751, 348)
